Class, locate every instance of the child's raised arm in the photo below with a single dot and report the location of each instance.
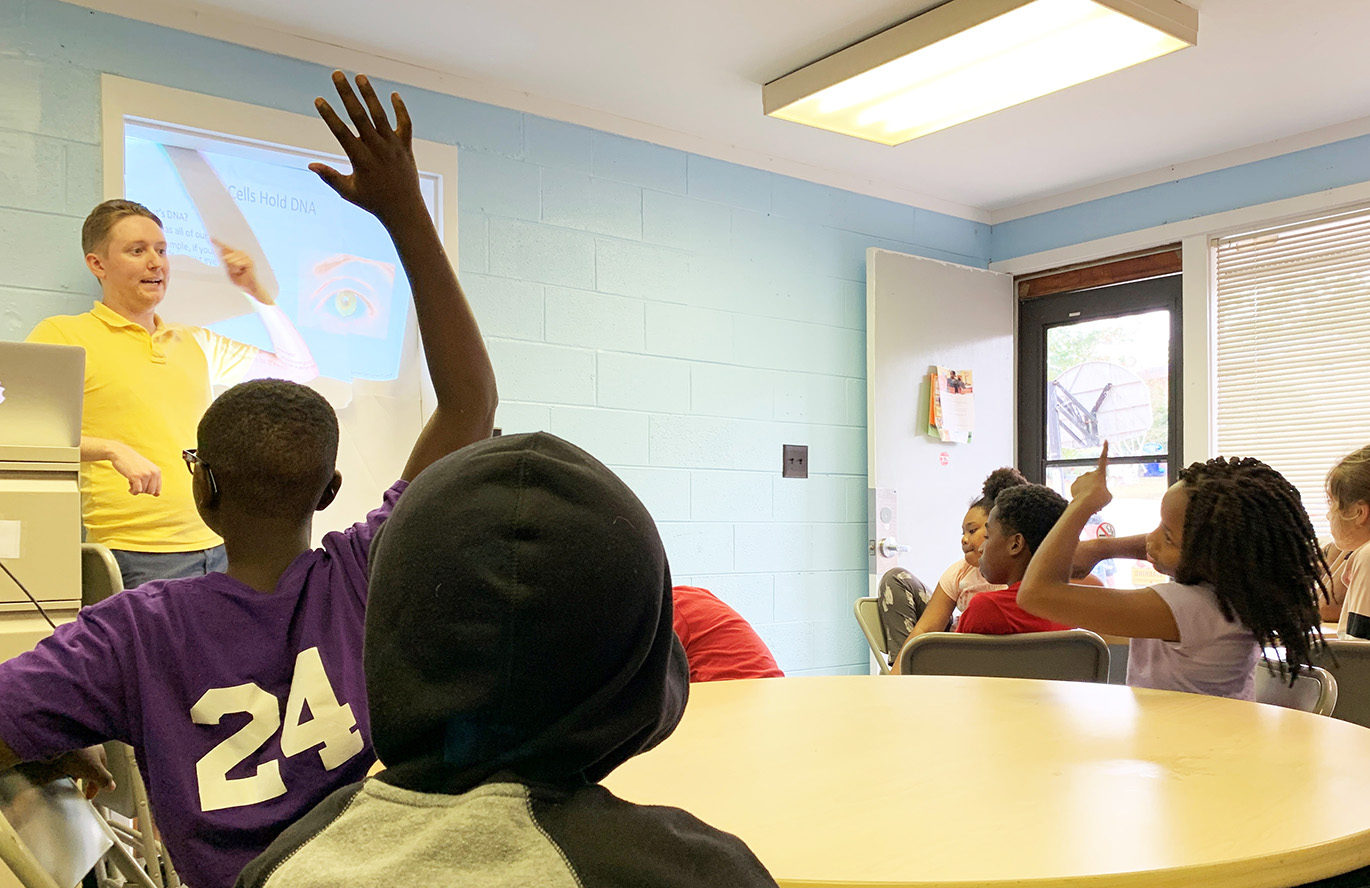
(385, 182)
(1047, 591)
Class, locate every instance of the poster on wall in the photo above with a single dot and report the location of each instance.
(951, 407)
(330, 266)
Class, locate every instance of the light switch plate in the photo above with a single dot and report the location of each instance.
(795, 461)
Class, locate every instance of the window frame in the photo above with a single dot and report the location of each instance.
(1037, 316)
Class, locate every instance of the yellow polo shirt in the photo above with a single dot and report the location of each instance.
(148, 391)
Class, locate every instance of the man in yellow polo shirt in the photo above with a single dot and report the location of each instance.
(147, 384)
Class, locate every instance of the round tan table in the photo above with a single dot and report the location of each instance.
(929, 780)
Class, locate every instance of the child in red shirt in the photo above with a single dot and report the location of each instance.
(719, 644)
(1021, 518)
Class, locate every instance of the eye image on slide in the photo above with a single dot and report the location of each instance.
(347, 295)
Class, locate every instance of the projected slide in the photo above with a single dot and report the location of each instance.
(330, 265)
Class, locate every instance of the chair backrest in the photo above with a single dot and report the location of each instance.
(1349, 663)
(867, 612)
(1315, 690)
(100, 576)
(1067, 655)
(50, 836)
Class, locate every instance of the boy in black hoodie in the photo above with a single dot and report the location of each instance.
(519, 647)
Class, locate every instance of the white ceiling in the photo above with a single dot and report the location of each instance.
(689, 74)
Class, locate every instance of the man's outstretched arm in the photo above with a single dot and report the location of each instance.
(289, 357)
(385, 182)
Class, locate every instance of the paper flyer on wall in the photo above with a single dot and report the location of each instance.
(951, 408)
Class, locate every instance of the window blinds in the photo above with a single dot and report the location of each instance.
(1293, 348)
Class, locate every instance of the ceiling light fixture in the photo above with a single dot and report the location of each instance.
(968, 58)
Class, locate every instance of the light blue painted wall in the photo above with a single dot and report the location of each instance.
(1289, 175)
(679, 317)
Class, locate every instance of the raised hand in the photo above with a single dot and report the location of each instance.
(242, 272)
(385, 182)
(1091, 488)
(385, 179)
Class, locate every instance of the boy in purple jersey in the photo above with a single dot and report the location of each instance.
(242, 692)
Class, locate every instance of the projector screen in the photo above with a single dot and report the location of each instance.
(215, 170)
(331, 265)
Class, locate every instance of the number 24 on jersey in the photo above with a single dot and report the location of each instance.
(331, 727)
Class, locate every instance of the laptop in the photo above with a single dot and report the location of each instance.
(41, 388)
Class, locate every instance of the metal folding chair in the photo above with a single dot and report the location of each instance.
(868, 618)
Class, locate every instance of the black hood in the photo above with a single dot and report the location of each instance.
(519, 622)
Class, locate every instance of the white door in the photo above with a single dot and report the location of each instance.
(921, 313)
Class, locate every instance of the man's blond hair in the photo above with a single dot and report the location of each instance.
(102, 219)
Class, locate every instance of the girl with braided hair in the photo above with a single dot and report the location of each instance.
(1348, 513)
(1248, 572)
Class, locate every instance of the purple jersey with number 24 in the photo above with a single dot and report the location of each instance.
(245, 709)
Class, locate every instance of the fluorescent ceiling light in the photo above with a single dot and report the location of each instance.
(968, 58)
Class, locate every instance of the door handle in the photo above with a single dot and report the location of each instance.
(889, 547)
